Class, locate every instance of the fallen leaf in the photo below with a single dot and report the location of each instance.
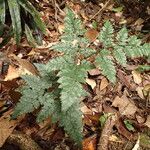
(140, 119)
(126, 106)
(91, 82)
(7, 126)
(137, 77)
(140, 92)
(147, 123)
(25, 65)
(94, 72)
(89, 143)
(125, 80)
(12, 73)
(104, 83)
(137, 145)
(91, 34)
(61, 28)
(86, 110)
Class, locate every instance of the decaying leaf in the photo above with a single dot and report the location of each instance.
(89, 143)
(140, 92)
(7, 126)
(91, 34)
(104, 83)
(126, 106)
(94, 72)
(12, 73)
(147, 123)
(137, 77)
(91, 82)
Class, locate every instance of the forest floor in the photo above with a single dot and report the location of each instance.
(129, 98)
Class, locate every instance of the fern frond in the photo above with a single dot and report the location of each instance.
(48, 103)
(119, 55)
(71, 120)
(32, 94)
(122, 36)
(73, 26)
(70, 79)
(69, 47)
(104, 62)
(146, 49)
(14, 9)
(106, 34)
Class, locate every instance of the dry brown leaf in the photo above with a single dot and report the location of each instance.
(86, 110)
(61, 28)
(137, 77)
(7, 126)
(91, 34)
(26, 66)
(126, 106)
(147, 123)
(91, 82)
(94, 72)
(104, 83)
(125, 80)
(12, 73)
(140, 119)
(89, 143)
(140, 92)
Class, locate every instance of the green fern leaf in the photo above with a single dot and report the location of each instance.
(35, 14)
(70, 48)
(31, 94)
(2, 11)
(119, 55)
(105, 63)
(71, 120)
(71, 89)
(146, 49)
(122, 36)
(14, 9)
(73, 26)
(48, 102)
(106, 34)
(134, 41)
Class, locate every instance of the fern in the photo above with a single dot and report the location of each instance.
(119, 49)
(58, 91)
(63, 102)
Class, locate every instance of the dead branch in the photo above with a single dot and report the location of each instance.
(106, 132)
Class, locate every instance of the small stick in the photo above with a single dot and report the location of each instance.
(106, 132)
(104, 6)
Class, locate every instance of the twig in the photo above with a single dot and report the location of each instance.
(104, 6)
(106, 132)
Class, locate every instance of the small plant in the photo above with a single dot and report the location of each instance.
(23, 16)
(58, 91)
